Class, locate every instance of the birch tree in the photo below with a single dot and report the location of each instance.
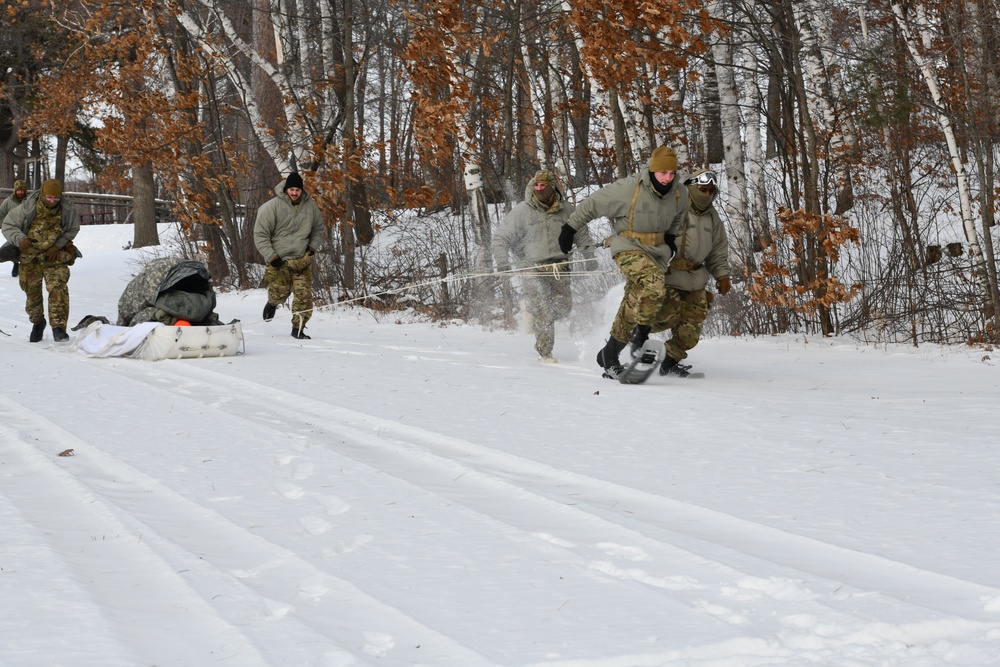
(824, 90)
(732, 142)
(912, 32)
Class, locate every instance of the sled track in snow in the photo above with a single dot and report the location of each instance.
(123, 507)
(507, 488)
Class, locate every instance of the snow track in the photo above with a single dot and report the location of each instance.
(479, 477)
(229, 586)
(221, 549)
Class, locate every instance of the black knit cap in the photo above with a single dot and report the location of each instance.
(293, 181)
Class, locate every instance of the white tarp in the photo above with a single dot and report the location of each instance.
(155, 341)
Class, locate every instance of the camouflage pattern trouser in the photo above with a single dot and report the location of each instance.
(645, 291)
(684, 313)
(548, 299)
(56, 278)
(294, 277)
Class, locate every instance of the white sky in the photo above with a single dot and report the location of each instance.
(403, 493)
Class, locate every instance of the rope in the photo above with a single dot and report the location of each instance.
(531, 271)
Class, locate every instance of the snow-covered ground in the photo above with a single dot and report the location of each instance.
(414, 494)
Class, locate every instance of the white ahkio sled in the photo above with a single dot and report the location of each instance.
(156, 341)
(165, 312)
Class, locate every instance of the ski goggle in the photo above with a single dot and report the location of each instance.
(704, 178)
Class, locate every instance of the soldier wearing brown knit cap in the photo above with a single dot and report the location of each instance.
(642, 207)
(43, 228)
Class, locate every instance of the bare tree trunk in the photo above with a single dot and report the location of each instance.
(62, 144)
(755, 154)
(962, 177)
(144, 206)
(347, 240)
(731, 144)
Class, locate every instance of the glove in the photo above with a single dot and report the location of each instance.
(71, 249)
(276, 262)
(52, 253)
(310, 251)
(566, 235)
(25, 244)
(723, 285)
(671, 241)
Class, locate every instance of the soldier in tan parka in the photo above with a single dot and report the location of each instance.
(530, 233)
(288, 230)
(8, 205)
(642, 207)
(702, 253)
(43, 228)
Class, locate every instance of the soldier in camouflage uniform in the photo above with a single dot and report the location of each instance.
(287, 232)
(642, 207)
(9, 204)
(530, 232)
(702, 252)
(43, 228)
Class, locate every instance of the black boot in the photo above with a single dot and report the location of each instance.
(269, 311)
(59, 335)
(300, 333)
(15, 270)
(607, 358)
(37, 329)
(671, 366)
(640, 334)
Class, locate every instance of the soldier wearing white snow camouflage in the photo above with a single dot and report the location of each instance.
(530, 233)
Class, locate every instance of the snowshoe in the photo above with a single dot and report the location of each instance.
(643, 364)
(671, 366)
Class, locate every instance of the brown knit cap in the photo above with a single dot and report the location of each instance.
(52, 188)
(663, 159)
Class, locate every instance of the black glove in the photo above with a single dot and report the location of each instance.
(276, 262)
(25, 244)
(566, 235)
(671, 241)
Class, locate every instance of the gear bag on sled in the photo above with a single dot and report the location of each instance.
(165, 312)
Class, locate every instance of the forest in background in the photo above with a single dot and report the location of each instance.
(856, 140)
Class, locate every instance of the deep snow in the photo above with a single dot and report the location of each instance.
(404, 493)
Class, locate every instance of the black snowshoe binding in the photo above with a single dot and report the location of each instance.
(607, 359)
(640, 334)
(671, 366)
(644, 363)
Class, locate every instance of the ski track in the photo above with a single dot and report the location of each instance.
(642, 528)
(489, 474)
(172, 569)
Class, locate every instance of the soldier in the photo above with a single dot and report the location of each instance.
(287, 232)
(642, 207)
(530, 232)
(20, 192)
(702, 251)
(43, 228)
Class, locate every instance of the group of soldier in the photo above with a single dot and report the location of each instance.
(668, 241)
